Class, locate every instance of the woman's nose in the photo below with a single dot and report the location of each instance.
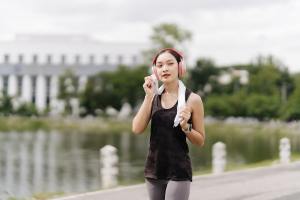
(164, 67)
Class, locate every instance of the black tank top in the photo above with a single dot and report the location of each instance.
(168, 157)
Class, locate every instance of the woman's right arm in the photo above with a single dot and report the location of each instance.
(142, 118)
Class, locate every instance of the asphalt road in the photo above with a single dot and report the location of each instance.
(280, 182)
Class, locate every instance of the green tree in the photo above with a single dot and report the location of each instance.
(268, 76)
(169, 35)
(6, 107)
(291, 110)
(114, 88)
(217, 106)
(270, 84)
(27, 109)
(225, 105)
(166, 35)
(262, 106)
(68, 88)
(265, 81)
(203, 74)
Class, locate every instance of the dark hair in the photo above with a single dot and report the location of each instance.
(175, 53)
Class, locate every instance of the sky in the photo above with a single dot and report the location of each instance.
(227, 31)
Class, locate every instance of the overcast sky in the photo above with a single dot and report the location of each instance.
(228, 31)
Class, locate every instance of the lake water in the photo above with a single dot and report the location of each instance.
(46, 162)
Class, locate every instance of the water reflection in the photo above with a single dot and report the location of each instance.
(45, 162)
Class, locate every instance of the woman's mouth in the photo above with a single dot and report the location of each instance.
(166, 75)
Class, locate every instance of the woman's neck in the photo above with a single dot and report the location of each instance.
(171, 88)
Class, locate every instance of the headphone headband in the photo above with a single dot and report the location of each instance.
(167, 49)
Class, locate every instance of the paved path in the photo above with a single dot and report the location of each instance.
(280, 182)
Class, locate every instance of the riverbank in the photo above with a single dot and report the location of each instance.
(64, 124)
(103, 125)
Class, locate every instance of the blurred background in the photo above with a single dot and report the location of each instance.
(71, 75)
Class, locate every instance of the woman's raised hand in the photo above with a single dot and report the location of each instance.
(149, 86)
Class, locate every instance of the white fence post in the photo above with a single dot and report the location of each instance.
(108, 170)
(219, 157)
(284, 150)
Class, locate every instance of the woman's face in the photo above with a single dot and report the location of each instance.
(167, 67)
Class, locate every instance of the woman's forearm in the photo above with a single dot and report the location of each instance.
(140, 121)
(196, 137)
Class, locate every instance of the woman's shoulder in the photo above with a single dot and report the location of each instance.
(195, 99)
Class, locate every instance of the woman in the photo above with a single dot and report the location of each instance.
(168, 171)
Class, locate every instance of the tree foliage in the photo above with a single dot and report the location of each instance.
(166, 35)
(202, 74)
(68, 89)
(114, 88)
(264, 96)
(291, 110)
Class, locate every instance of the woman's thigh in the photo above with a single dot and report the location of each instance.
(178, 190)
(156, 189)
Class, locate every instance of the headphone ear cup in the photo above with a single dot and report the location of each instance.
(181, 68)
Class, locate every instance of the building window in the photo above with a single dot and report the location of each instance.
(92, 59)
(20, 58)
(19, 85)
(5, 85)
(33, 86)
(134, 59)
(49, 59)
(48, 86)
(106, 59)
(63, 59)
(6, 58)
(77, 59)
(35, 59)
(120, 59)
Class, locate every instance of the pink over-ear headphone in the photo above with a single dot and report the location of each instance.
(181, 63)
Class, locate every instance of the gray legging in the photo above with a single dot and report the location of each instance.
(168, 190)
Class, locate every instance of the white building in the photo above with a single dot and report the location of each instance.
(31, 64)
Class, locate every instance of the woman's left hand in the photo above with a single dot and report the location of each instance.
(185, 115)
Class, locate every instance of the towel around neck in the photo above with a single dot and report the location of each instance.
(181, 97)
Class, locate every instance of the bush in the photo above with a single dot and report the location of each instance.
(217, 106)
(262, 106)
(291, 111)
(27, 109)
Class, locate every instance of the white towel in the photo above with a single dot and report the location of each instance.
(181, 97)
